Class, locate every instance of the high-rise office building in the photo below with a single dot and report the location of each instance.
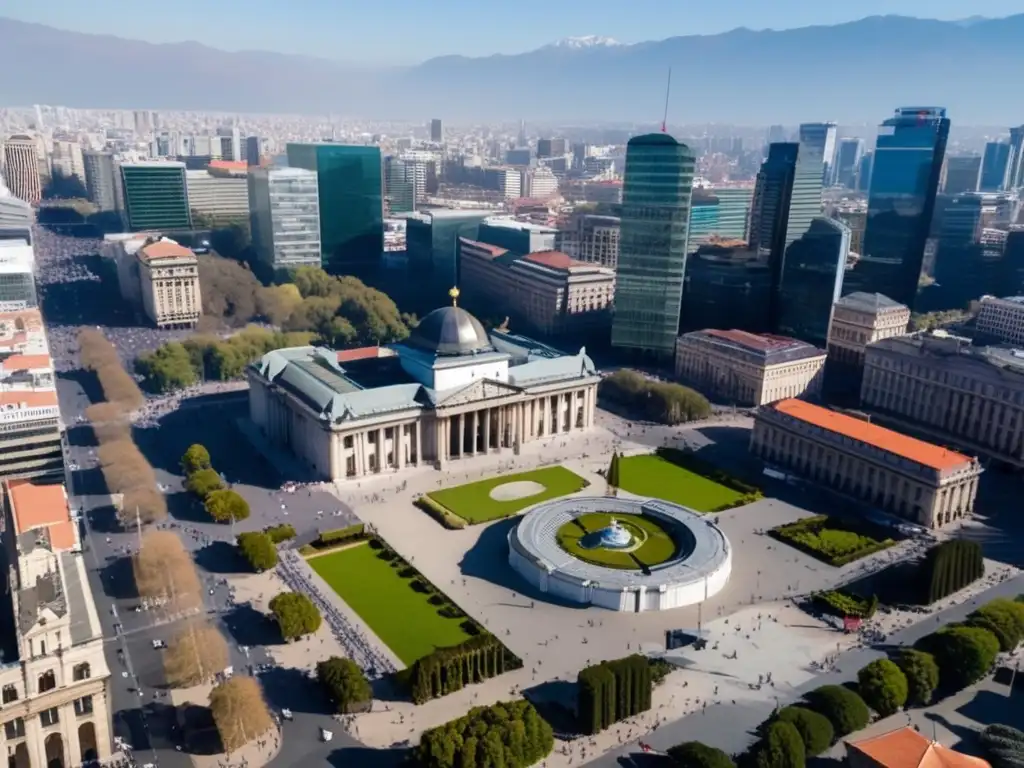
(66, 159)
(143, 122)
(811, 280)
(962, 174)
(718, 213)
(771, 196)
(351, 190)
(825, 133)
(432, 244)
(21, 164)
(230, 143)
(656, 194)
(155, 196)
(284, 213)
(909, 153)
(996, 165)
(252, 150)
(218, 195)
(436, 131)
(776, 134)
(100, 184)
(399, 185)
(1017, 166)
(848, 157)
(867, 164)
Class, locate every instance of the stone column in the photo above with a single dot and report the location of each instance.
(400, 446)
(380, 448)
(517, 411)
(487, 430)
(441, 440)
(419, 443)
(474, 424)
(359, 453)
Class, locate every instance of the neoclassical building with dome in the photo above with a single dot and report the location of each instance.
(449, 391)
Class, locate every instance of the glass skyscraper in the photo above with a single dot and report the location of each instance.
(905, 176)
(351, 189)
(155, 196)
(848, 162)
(718, 212)
(812, 280)
(656, 193)
(996, 166)
(770, 206)
(285, 217)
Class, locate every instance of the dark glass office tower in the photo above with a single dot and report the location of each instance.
(867, 162)
(770, 205)
(812, 280)
(155, 196)
(351, 193)
(656, 194)
(1017, 163)
(848, 162)
(436, 131)
(904, 180)
(962, 174)
(995, 166)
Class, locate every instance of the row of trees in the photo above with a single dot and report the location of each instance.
(177, 365)
(222, 504)
(612, 691)
(954, 657)
(165, 574)
(1003, 746)
(197, 653)
(98, 355)
(949, 567)
(659, 401)
(447, 670)
(345, 683)
(509, 734)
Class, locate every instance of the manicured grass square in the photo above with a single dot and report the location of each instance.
(400, 616)
(656, 549)
(655, 477)
(473, 503)
(832, 540)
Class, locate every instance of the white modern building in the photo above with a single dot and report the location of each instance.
(54, 680)
(221, 198)
(17, 276)
(451, 391)
(284, 206)
(66, 159)
(21, 167)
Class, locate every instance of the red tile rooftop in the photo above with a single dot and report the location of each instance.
(37, 506)
(362, 353)
(761, 342)
(907, 748)
(907, 447)
(26, 362)
(554, 259)
(494, 250)
(162, 249)
(229, 165)
(28, 398)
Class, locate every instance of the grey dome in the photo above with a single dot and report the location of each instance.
(450, 331)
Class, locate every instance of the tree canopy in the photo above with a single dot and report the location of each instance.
(195, 458)
(239, 711)
(660, 401)
(814, 728)
(1004, 618)
(781, 747)
(164, 572)
(504, 735)
(844, 709)
(226, 506)
(1002, 746)
(693, 754)
(345, 683)
(295, 614)
(203, 482)
(258, 548)
(109, 422)
(195, 655)
(883, 686)
(98, 355)
(922, 675)
(964, 654)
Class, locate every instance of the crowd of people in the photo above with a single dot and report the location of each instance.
(357, 646)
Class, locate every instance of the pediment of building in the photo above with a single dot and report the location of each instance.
(477, 392)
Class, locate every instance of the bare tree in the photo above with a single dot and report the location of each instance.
(197, 653)
(109, 422)
(239, 711)
(94, 349)
(98, 355)
(124, 466)
(142, 504)
(164, 571)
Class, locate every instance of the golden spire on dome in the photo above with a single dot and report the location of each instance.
(454, 293)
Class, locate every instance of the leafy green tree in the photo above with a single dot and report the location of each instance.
(782, 747)
(312, 281)
(922, 675)
(226, 506)
(612, 477)
(195, 458)
(1004, 618)
(296, 615)
(279, 533)
(665, 402)
(345, 683)
(166, 368)
(203, 482)
(1002, 746)
(258, 549)
(964, 654)
(883, 686)
(508, 734)
(814, 728)
(844, 709)
(693, 754)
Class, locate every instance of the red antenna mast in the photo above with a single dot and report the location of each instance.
(668, 90)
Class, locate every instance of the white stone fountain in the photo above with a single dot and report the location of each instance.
(614, 536)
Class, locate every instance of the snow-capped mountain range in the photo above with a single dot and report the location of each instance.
(586, 41)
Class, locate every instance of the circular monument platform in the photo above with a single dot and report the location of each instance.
(621, 554)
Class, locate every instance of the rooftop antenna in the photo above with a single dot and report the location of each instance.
(668, 90)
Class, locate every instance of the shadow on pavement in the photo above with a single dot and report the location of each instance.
(89, 482)
(555, 700)
(81, 436)
(186, 508)
(221, 557)
(247, 626)
(488, 560)
(118, 578)
(291, 689)
(85, 379)
(103, 520)
(365, 757)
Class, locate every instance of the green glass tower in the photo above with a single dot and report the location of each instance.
(155, 196)
(351, 189)
(656, 194)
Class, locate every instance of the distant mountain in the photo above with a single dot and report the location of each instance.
(587, 41)
(851, 72)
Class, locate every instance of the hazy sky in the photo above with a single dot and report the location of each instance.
(407, 31)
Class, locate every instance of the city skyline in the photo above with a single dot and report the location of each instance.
(420, 33)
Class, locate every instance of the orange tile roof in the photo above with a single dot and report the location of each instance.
(494, 250)
(26, 362)
(37, 506)
(362, 353)
(28, 398)
(554, 259)
(32, 318)
(229, 165)
(162, 249)
(907, 748)
(929, 455)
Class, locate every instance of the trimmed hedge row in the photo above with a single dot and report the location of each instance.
(342, 534)
(688, 460)
(447, 670)
(510, 734)
(440, 513)
(612, 691)
(791, 534)
(949, 567)
(841, 604)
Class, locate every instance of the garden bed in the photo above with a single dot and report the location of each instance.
(833, 541)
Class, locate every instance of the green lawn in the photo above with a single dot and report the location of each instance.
(655, 477)
(399, 615)
(473, 503)
(657, 548)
